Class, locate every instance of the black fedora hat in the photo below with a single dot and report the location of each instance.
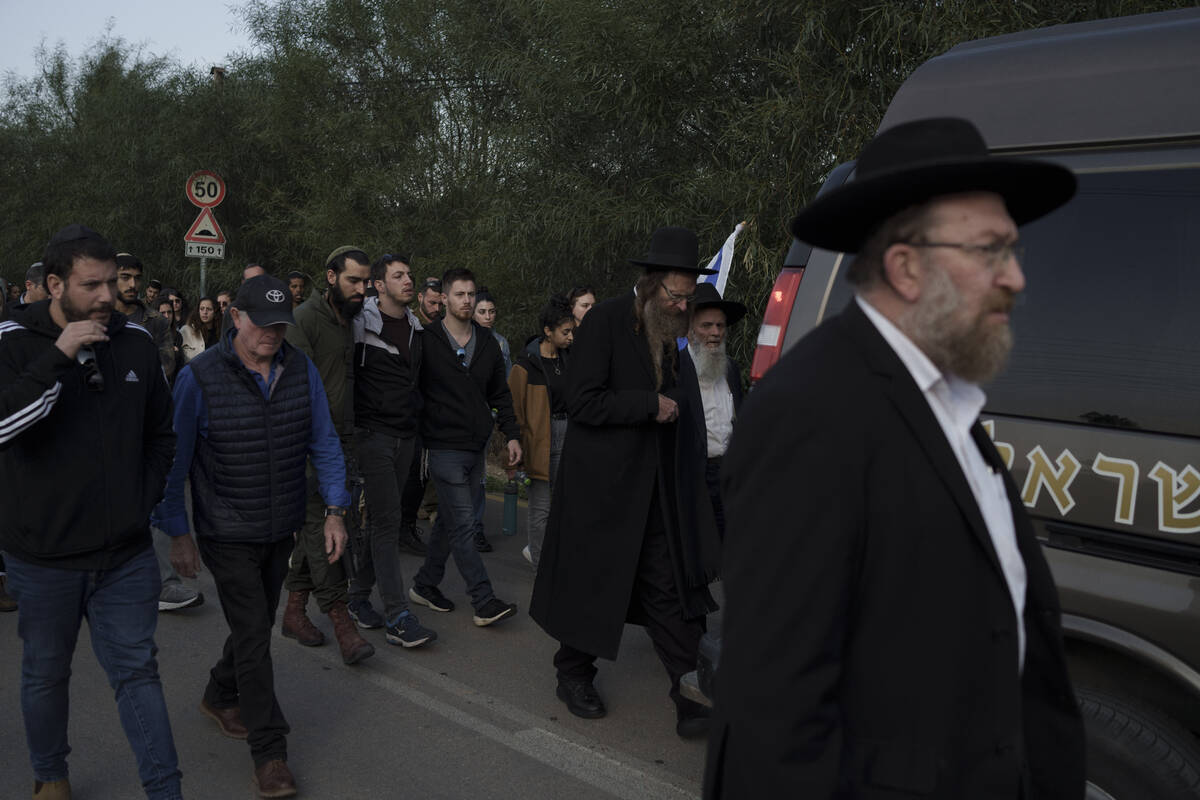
(919, 160)
(707, 296)
(675, 249)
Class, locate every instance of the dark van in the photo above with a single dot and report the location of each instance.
(1098, 412)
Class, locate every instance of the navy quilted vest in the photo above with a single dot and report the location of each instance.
(248, 481)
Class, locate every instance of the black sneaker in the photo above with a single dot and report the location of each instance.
(494, 610)
(430, 597)
(581, 698)
(410, 541)
(482, 544)
(409, 632)
(365, 615)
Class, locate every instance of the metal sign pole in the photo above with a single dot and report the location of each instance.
(203, 264)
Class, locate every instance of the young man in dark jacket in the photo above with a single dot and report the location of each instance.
(85, 446)
(323, 333)
(462, 380)
(387, 348)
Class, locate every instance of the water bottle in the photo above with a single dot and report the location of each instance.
(511, 489)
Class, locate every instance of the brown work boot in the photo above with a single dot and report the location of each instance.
(297, 625)
(6, 601)
(228, 719)
(274, 779)
(53, 790)
(354, 647)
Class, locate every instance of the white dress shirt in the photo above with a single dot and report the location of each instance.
(956, 404)
(718, 410)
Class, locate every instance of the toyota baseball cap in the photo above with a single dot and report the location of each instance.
(266, 300)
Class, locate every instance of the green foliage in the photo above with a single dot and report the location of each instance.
(538, 142)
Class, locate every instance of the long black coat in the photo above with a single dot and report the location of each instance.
(615, 457)
(869, 647)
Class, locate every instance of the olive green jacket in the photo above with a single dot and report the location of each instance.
(330, 344)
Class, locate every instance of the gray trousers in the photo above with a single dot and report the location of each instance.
(540, 492)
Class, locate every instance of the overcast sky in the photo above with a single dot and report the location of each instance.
(200, 32)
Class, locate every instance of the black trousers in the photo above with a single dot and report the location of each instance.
(712, 478)
(676, 640)
(414, 490)
(249, 577)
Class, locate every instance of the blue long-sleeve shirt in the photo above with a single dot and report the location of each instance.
(191, 420)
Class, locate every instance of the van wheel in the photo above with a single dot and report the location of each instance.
(1134, 753)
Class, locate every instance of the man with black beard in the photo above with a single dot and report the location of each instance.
(615, 549)
(712, 386)
(86, 442)
(129, 284)
(323, 331)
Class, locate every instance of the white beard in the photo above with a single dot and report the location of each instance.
(710, 362)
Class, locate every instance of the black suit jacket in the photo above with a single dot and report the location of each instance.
(870, 646)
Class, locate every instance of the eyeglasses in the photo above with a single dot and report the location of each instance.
(676, 298)
(91, 370)
(462, 356)
(995, 255)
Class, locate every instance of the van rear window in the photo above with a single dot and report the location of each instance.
(1108, 329)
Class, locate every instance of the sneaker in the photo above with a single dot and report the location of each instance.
(494, 610)
(430, 597)
(482, 544)
(410, 541)
(365, 615)
(528, 555)
(175, 596)
(409, 632)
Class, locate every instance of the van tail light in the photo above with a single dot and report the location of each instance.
(775, 322)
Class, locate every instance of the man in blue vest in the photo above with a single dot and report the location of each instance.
(248, 414)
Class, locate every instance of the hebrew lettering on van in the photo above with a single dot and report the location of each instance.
(1003, 448)
(1126, 473)
(1057, 481)
(1177, 491)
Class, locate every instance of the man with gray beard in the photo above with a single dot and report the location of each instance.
(892, 627)
(616, 547)
(712, 385)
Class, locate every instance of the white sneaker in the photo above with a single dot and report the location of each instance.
(176, 596)
(528, 556)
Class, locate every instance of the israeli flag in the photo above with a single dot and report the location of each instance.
(722, 262)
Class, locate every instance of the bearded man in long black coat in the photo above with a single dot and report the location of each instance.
(615, 550)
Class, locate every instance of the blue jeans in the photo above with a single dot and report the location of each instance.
(121, 607)
(456, 474)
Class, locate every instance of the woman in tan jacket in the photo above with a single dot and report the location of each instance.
(538, 386)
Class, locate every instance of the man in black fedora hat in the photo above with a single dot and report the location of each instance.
(614, 549)
(711, 385)
(892, 627)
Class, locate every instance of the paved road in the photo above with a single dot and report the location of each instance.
(472, 716)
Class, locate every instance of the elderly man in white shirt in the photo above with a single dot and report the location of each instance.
(719, 382)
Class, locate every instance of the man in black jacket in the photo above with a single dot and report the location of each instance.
(387, 405)
(462, 380)
(892, 628)
(85, 446)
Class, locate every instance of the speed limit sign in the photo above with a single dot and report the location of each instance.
(205, 189)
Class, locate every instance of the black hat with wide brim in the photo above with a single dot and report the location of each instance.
(707, 296)
(917, 161)
(673, 249)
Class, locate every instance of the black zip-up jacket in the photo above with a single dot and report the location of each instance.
(80, 468)
(386, 398)
(459, 400)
